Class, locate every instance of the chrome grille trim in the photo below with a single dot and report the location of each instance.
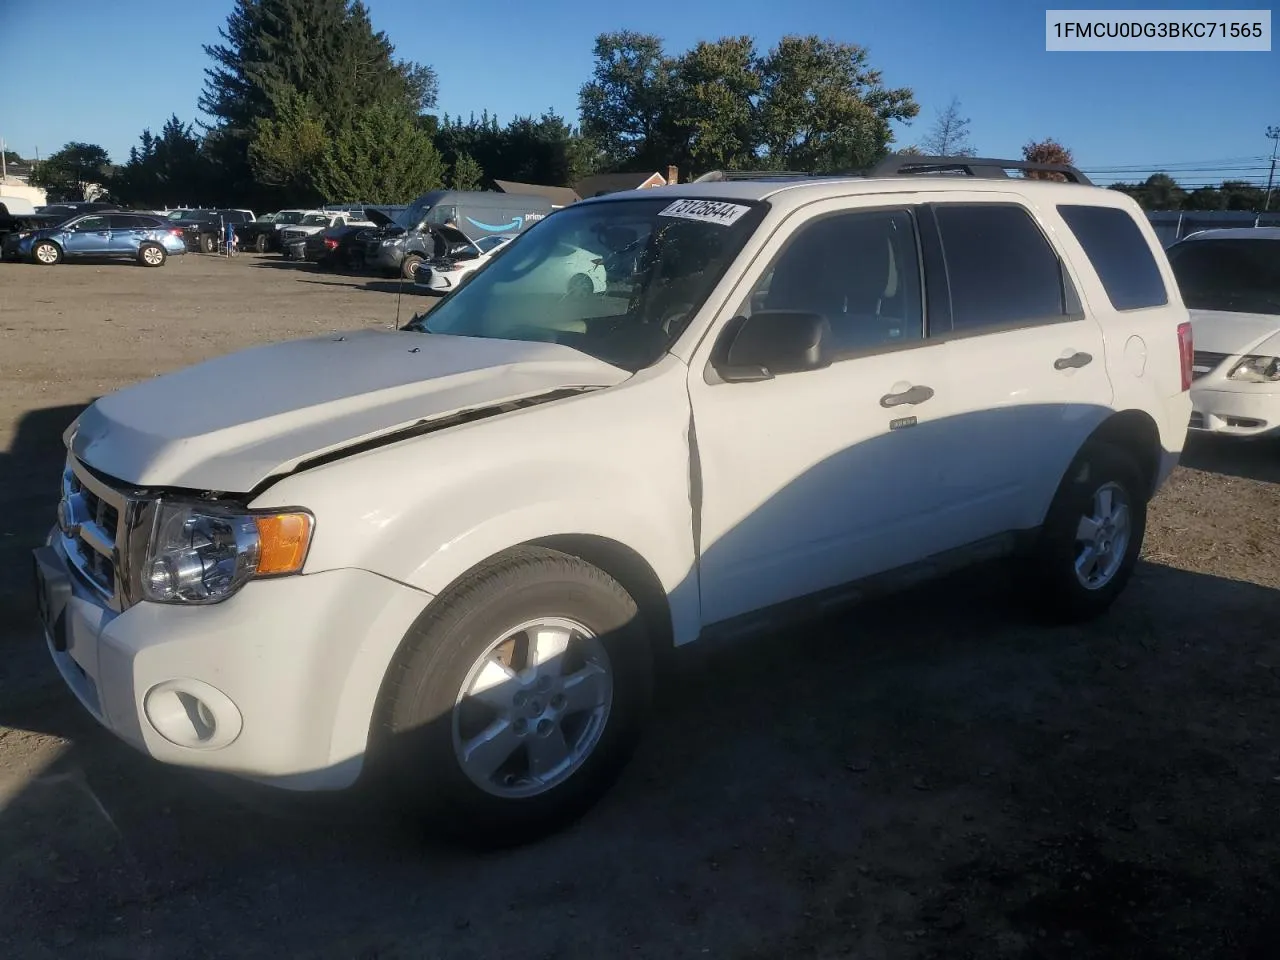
(101, 531)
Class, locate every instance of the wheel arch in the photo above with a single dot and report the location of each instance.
(1136, 433)
(62, 251)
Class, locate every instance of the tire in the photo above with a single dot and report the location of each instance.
(409, 266)
(152, 255)
(47, 253)
(260, 244)
(1058, 589)
(580, 285)
(425, 717)
(206, 243)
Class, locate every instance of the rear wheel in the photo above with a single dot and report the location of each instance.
(206, 242)
(516, 700)
(1091, 537)
(152, 255)
(47, 252)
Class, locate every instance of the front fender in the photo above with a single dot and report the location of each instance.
(612, 464)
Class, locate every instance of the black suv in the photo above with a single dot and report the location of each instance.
(201, 229)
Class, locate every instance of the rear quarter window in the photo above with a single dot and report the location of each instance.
(1120, 255)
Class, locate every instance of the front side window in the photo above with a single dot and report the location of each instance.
(1000, 267)
(1235, 276)
(860, 270)
(551, 283)
(442, 214)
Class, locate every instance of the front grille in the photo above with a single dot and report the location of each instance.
(1204, 362)
(92, 520)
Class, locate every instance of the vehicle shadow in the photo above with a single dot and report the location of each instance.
(925, 774)
(29, 482)
(1248, 460)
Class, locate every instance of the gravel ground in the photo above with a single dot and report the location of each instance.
(928, 776)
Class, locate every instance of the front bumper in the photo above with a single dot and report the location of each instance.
(276, 684)
(1250, 411)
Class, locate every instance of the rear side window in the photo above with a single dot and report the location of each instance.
(1001, 269)
(1120, 255)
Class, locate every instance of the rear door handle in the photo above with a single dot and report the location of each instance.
(1075, 360)
(915, 395)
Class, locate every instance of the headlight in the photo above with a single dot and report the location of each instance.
(1256, 370)
(202, 553)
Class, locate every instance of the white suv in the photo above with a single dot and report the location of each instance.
(453, 553)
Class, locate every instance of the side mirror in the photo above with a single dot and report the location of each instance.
(770, 342)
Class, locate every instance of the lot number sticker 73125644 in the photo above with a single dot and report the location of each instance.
(708, 211)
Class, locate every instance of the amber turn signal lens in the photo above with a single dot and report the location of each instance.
(283, 540)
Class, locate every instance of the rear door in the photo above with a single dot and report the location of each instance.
(126, 233)
(1027, 361)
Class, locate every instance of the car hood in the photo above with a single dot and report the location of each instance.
(1218, 331)
(232, 422)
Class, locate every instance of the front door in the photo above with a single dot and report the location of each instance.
(816, 478)
(88, 237)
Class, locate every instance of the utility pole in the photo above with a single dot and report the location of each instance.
(1273, 134)
(4, 163)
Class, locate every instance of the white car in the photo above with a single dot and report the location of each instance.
(1230, 280)
(466, 256)
(453, 554)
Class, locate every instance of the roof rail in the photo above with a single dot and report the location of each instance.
(715, 176)
(901, 164)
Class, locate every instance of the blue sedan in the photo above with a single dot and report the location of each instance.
(147, 239)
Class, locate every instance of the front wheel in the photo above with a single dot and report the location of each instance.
(260, 244)
(516, 699)
(47, 252)
(206, 243)
(151, 255)
(1091, 537)
(409, 266)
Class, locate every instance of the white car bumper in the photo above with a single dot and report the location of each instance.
(1244, 410)
(276, 684)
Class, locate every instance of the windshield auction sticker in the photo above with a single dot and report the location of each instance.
(708, 211)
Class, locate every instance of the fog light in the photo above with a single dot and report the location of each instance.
(192, 714)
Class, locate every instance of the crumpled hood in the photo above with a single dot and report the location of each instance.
(229, 423)
(1217, 331)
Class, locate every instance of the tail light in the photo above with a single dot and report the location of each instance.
(1186, 353)
(176, 231)
(330, 243)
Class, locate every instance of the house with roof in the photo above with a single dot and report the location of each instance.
(602, 183)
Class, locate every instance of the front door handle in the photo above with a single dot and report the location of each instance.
(1075, 360)
(914, 395)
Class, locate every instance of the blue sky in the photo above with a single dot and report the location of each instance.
(1179, 111)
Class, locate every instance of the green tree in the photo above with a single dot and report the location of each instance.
(71, 171)
(949, 136)
(809, 103)
(287, 148)
(166, 170)
(465, 173)
(541, 149)
(823, 108)
(715, 89)
(384, 156)
(283, 64)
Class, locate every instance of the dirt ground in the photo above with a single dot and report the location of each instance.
(928, 776)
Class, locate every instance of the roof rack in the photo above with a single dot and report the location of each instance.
(716, 176)
(908, 164)
(899, 164)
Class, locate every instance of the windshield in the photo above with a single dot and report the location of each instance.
(412, 215)
(288, 216)
(618, 279)
(314, 220)
(1239, 276)
(267, 218)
